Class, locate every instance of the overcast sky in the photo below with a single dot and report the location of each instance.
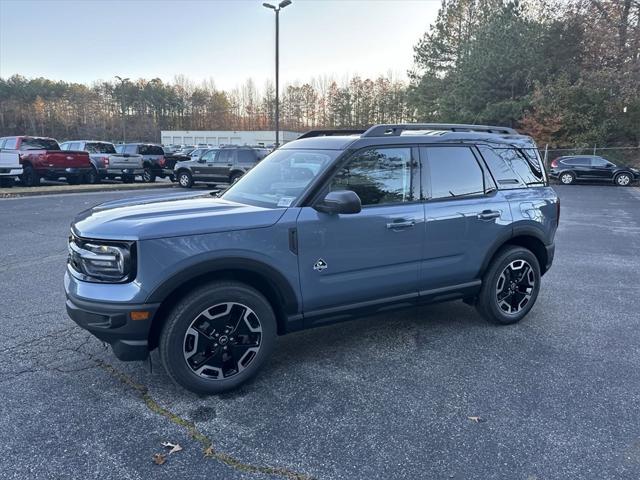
(226, 40)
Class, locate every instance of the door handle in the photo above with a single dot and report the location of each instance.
(489, 214)
(400, 223)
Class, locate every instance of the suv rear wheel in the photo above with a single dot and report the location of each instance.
(185, 179)
(623, 179)
(217, 337)
(567, 178)
(510, 286)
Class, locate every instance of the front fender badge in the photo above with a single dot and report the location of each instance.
(320, 265)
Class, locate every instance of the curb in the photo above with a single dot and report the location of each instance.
(61, 189)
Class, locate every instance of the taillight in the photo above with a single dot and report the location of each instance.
(161, 161)
(554, 163)
(106, 161)
(558, 211)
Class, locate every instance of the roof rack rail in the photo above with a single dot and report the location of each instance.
(397, 129)
(330, 133)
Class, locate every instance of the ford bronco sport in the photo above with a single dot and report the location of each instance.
(325, 228)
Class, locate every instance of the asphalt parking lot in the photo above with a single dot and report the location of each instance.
(390, 396)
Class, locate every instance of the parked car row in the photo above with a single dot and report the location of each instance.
(31, 159)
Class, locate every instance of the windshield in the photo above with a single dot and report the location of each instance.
(99, 148)
(280, 179)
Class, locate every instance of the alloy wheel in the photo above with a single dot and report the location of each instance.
(515, 287)
(184, 180)
(566, 178)
(623, 180)
(222, 341)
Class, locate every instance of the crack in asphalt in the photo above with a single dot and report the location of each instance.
(208, 449)
(42, 363)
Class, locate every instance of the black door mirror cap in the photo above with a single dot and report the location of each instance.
(340, 201)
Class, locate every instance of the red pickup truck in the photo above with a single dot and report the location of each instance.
(42, 157)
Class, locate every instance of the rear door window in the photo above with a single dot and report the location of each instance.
(224, 156)
(246, 156)
(453, 172)
(577, 162)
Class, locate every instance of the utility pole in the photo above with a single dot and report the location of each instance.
(277, 9)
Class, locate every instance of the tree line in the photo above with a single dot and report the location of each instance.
(69, 110)
(565, 71)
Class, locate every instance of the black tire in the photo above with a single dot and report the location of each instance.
(234, 178)
(177, 335)
(623, 179)
(492, 303)
(7, 182)
(172, 177)
(128, 178)
(148, 176)
(185, 180)
(29, 177)
(567, 178)
(92, 177)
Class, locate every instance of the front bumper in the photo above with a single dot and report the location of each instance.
(10, 172)
(112, 323)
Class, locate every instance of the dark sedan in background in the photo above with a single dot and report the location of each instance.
(570, 169)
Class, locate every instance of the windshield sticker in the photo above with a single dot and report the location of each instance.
(286, 201)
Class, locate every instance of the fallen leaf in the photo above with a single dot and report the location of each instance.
(477, 419)
(208, 452)
(159, 458)
(175, 447)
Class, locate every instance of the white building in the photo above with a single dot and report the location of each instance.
(225, 137)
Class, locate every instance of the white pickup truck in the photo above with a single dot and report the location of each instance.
(10, 167)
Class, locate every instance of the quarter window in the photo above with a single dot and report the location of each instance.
(454, 172)
(378, 176)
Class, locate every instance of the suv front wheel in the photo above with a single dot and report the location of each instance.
(185, 179)
(510, 286)
(217, 337)
(623, 179)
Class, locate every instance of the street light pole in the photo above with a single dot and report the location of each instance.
(277, 9)
(122, 82)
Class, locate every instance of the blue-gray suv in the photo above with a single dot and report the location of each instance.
(328, 227)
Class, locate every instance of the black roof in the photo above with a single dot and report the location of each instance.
(413, 133)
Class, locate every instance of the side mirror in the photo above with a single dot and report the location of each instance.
(340, 201)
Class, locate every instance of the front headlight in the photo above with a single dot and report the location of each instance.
(101, 260)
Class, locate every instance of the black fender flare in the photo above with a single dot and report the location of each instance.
(518, 230)
(288, 298)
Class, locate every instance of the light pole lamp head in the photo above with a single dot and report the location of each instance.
(268, 5)
(284, 3)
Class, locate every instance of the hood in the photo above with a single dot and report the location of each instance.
(172, 215)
